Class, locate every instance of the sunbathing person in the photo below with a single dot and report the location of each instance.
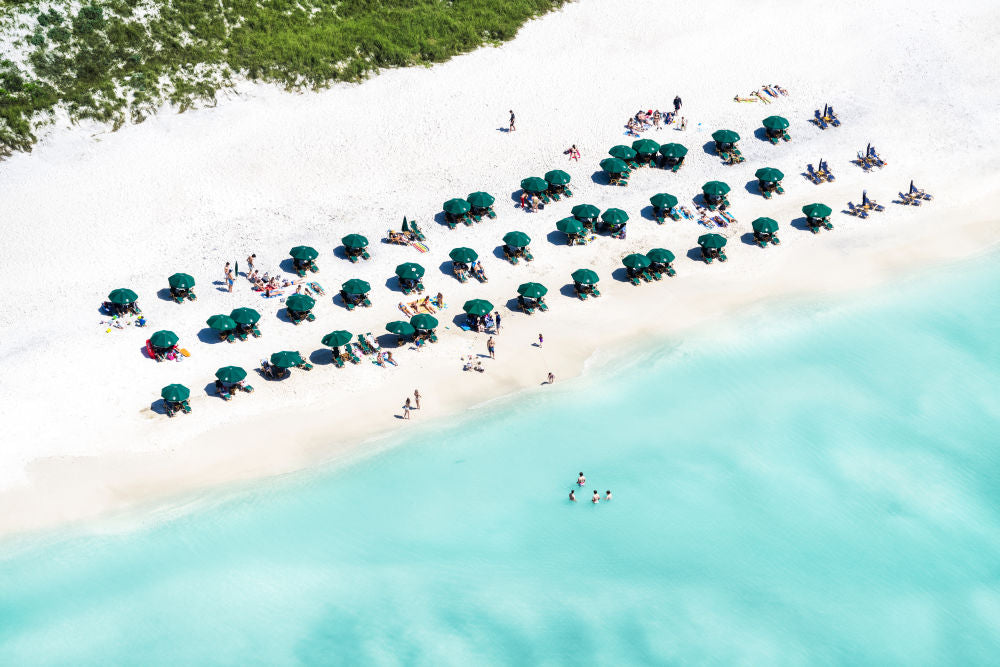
(439, 300)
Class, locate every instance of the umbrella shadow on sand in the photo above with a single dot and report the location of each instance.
(209, 335)
(321, 357)
(601, 177)
(709, 148)
(695, 254)
(761, 133)
(649, 213)
(568, 290)
(393, 284)
(800, 224)
(753, 187)
(621, 275)
(164, 294)
(441, 218)
(748, 239)
(160, 407)
(389, 341)
(555, 237)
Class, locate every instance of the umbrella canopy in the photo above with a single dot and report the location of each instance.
(615, 216)
(245, 316)
(163, 339)
(715, 188)
(516, 239)
(557, 177)
(534, 184)
(775, 123)
(532, 290)
(636, 261)
(303, 253)
(457, 206)
(356, 286)
(424, 322)
(622, 152)
(410, 271)
(673, 150)
(663, 200)
(712, 241)
(660, 256)
(570, 226)
(725, 136)
(286, 359)
(354, 241)
(613, 165)
(336, 338)
(221, 322)
(180, 281)
(122, 296)
(585, 277)
(301, 303)
(645, 146)
(231, 374)
(175, 393)
(765, 225)
(817, 210)
(464, 255)
(400, 328)
(769, 174)
(585, 211)
(478, 307)
(480, 199)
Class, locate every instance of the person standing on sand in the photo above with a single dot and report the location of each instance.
(250, 261)
(540, 340)
(552, 378)
(491, 348)
(406, 411)
(416, 398)
(677, 103)
(512, 128)
(229, 277)
(496, 318)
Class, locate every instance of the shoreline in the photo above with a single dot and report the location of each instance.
(168, 481)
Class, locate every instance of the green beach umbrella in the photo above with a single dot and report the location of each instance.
(517, 239)
(286, 359)
(163, 339)
(673, 150)
(712, 241)
(122, 296)
(175, 393)
(231, 374)
(480, 199)
(557, 177)
(660, 256)
(636, 261)
(715, 188)
(615, 216)
(463, 255)
(336, 338)
(585, 277)
(180, 281)
(424, 322)
(303, 253)
(768, 174)
(621, 152)
(534, 184)
(356, 241)
(765, 225)
(532, 290)
(456, 206)
(585, 211)
(663, 200)
(356, 286)
(817, 210)
(221, 322)
(613, 165)
(478, 307)
(400, 328)
(645, 146)
(725, 136)
(245, 316)
(775, 123)
(301, 303)
(570, 226)
(410, 271)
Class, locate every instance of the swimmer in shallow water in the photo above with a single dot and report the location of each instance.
(608, 495)
(572, 495)
(581, 480)
(597, 497)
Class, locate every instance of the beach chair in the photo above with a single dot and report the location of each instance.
(818, 120)
(832, 117)
(785, 135)
(580, 292)
(540, 303)
(243, 333)
(491, 213)
(305, 365)
(567, 192)
(812, 175)
(554, 195)
(186, 407)
(674, 214)
(660, 215)
(766, 193)
(773, 140)
(338, 357)
(526, 253)
(856, 210)
(509, 255)
(526, 308)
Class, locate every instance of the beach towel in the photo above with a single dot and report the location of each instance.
(419, 246)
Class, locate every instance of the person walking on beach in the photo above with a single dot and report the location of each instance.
(250, 260)
(229, 277)
(572, 495)
(491, 348)
(552, 378)
(677, 103)
(406, 408)
(512, 128)
(540, 340)
(684, 123)
(416, 398)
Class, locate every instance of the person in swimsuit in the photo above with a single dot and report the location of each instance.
(607, 496)
(572, 495)
(512, 128)
(581, 480)
(597, 497)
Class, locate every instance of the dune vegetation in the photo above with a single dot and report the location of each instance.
(115, 61)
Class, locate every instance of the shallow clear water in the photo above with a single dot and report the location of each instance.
(817, 484)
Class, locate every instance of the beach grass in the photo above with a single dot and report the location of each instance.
(114, 61)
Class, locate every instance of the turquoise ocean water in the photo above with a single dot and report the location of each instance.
(816, 484)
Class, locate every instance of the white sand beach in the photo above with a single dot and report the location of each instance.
(265, 170)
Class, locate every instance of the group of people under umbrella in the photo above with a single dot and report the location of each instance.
(643, 152)
(650, 266)
(553, 187)
(241, 323)
(229, 381)
(473, 208)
